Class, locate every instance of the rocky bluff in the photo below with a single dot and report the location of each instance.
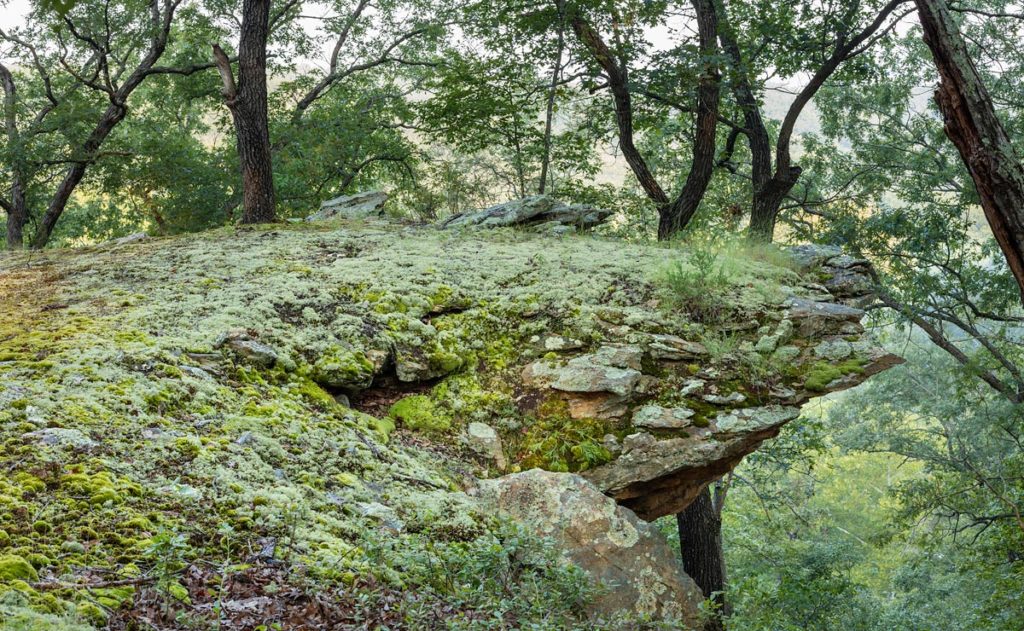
(349, 398)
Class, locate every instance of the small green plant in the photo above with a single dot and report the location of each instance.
(167, 552)
(699, 285)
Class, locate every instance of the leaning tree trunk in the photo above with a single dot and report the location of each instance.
(675, 217)
(700, 539)
(979, 136)
(248, 104)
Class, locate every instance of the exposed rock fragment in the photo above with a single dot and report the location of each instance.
(733, 398)
(247, 349)
(560, 343)
(366, 204)
(607, 541)
(810, 256)
(814, 319)
(657, 417)
(482, 439)
(582, 375)
(672, 347)
(545, 213)
(660, 477)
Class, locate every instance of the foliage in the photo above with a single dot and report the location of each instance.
(699, 286)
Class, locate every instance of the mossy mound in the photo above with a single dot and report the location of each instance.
(177, 403)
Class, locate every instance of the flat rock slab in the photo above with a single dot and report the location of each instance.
(656, 477)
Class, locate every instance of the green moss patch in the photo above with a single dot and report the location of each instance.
(420, 413)
(821, 374)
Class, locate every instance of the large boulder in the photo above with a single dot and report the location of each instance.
(360, 205)
(606, 540)
(544, 213)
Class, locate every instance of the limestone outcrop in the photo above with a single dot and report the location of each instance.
(360, 205)
(540, 213)
(355, 391)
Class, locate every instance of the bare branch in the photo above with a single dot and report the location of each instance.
(223, 64)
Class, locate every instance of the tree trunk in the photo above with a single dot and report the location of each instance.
(754, 127)
(768, 198)
(17, 212)
(700, 540)
(17, 215)
(248, 104)
(770, 189)
(161, 23)
(675, 217)
(618, 83)
(114, 114)
(979, 135)
(549, 116)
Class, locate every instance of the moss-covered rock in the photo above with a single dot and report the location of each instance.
(196, 406)
(420, 413)
(14, 567)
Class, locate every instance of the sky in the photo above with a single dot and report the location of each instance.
(13, 13)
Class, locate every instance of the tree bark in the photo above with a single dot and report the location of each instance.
(618, 82)
(771, 187)
(673, 215)
(113, 115)
(17, 212)
(702, 165)
(700, 541)
(247, 101)
(977, 132)
(549, 115)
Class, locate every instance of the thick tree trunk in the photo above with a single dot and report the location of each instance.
(17, 212)
(979, 135)
(768, 198)
(675, 217)
(700, 540)
(248, 104)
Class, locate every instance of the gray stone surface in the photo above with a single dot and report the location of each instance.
(607, 541)
(657, 417)
(484, 440)
(360, 205)
(543, 212)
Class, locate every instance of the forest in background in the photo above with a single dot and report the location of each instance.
(900, 505)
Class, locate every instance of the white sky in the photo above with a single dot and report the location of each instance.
(13, 13)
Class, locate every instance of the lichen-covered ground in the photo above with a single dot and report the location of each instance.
(175, 454)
